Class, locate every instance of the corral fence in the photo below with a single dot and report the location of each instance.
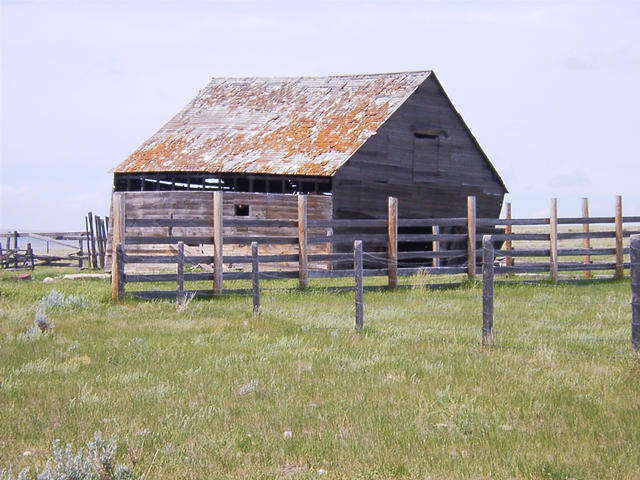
(434, 246)
(88, 246)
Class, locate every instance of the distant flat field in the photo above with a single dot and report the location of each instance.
(209, 392)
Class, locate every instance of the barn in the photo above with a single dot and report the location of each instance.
(349, 142)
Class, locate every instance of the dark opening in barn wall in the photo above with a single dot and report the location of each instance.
(179, 181)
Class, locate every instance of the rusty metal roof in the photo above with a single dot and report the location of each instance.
(283, 126)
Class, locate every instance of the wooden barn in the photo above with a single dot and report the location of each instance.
(349, 142)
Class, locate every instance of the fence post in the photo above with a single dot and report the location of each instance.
(99, 235)
(217, 243)
(117, 238)
(553, 241)
(255, 277)
(634, 250)
(435, 229)
(303, 267)
(487, 290)
(392, 243)
(15, 244)
(119, 269)
(180, 276)
(508, 230)
(29, 255)
(471, 234)
(619, 250)
(586, 242)
(94, 254)
(357, 273)
(80, 253)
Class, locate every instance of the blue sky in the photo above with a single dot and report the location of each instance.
(549, 89)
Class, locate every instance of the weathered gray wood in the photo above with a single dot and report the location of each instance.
(367, 272)
(553, 240)
(431, 270)
(118, 268)
(80, 259)
(429, 222)
(100, 240)
(619, 244)
(489, 222)
(303, 267)
(357, 273)
(521, 236)
(392, 242)
(246, 240)
(487, 291)
(130, 259)
(89, 255)
(545, 252)
(431, 254)
(118, 237)
(180, 274)
(586, 242)
(255, 277)
(162, 240)
(29, 255)
(435, 246)
(352, 223)
(581, 235)
(217, 242)
(634, 247)
(471, 239)
(378, 238)
(508, 230)
(92, 239)
(169, 277)
(427, 237)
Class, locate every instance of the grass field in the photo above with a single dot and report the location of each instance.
(210, 392)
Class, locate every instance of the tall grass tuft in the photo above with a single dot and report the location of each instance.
(94, 461)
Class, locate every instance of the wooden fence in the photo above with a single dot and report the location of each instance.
(91, 246)
(442, 246)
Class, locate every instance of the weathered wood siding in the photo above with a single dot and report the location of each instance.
(431, 174)
(199, 205)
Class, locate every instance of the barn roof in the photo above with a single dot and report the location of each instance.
(287, 126)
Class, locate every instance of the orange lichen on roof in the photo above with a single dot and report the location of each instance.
(288, 126)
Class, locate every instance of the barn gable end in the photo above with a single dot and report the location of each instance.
(424, 155)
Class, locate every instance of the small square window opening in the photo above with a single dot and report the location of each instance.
(241, 210)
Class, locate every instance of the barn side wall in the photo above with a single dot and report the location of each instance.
(425, 156)
(190, 204)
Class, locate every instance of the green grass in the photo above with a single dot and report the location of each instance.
(209, 393)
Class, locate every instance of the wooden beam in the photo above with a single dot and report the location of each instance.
(619, 244)
(255, 277)
(634, 248)
(487, 291)
(508, 229)
(436, 247)
(180, 274)
(357, 273)
(118, 237)
(553, 240)
(303, 266)
(392, 243)
(586, 242)
(217, 243)
(471, 237)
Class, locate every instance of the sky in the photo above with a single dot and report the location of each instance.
(549, 89)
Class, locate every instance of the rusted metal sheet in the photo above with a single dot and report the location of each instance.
(287, 126)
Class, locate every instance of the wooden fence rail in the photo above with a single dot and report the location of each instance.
(447, 246)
